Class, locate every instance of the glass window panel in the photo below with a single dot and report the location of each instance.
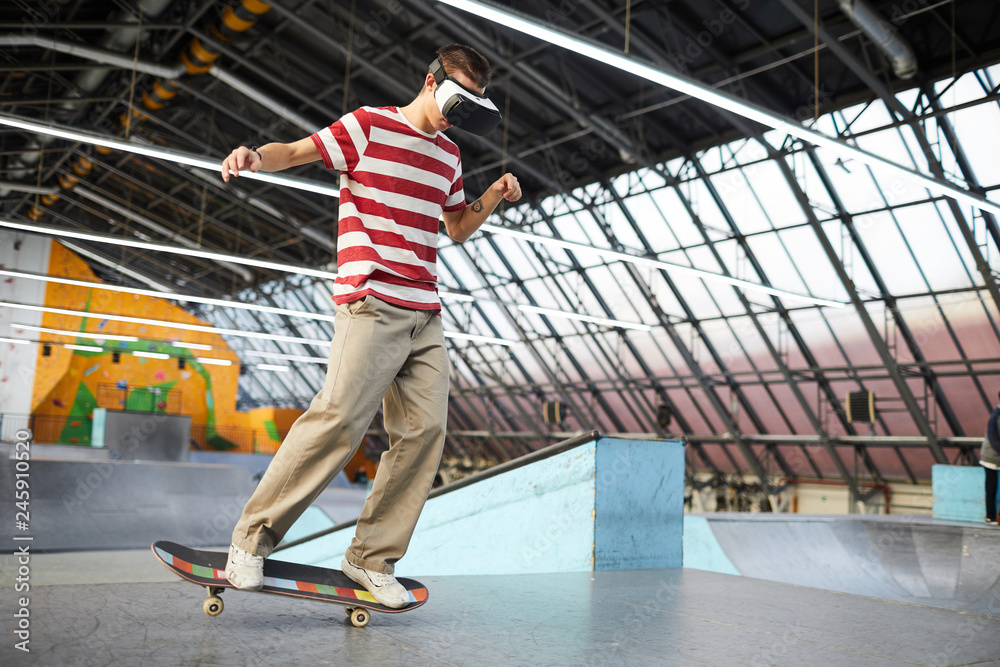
(771, 188)
(569, 229)
(935, 251)
(854, 340)
(981, 148)
(711, 159)
(807, 253)
(739, 199)
(592, 231)
(851, 182)
(704, 205)
(679, 224)
(887, 249)
(650, 221)
(779, 269)
(622, 228)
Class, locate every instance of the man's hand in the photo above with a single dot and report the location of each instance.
(243, 158)
(508, 187)
(463, 224)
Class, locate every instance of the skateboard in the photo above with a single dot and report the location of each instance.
(207, 568)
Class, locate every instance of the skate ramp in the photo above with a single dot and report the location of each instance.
(591, 503)
(905, 559)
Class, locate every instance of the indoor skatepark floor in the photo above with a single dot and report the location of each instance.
(639, 617)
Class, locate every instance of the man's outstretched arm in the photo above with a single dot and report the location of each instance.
(460, 225)
(273, 157)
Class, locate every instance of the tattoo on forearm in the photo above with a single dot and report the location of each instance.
(477, 206)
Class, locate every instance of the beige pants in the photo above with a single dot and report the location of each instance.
(379, 352)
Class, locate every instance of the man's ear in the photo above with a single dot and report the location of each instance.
(429, 82)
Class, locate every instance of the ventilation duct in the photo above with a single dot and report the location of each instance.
(884, 35)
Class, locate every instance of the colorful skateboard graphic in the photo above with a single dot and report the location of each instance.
(207, 568)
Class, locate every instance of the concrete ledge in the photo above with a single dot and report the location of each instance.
(605, 504)
(125, 504)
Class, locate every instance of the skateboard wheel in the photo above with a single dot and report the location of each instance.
(360, 617)
(213, 605)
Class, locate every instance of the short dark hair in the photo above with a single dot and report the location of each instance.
(465, 59)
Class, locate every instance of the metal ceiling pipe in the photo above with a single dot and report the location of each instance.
(80, 250)
(263, 98)
(90, 79)
(6, 186)
(102, 56)
(884, 35)
(86, 193)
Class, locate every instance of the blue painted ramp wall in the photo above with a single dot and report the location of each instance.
(606, 504)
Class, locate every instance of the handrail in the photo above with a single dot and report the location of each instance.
(507, 466)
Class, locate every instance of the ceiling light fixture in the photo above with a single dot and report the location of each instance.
(656, 264)
(77, 334)
(272, 367)
(158, 247)
(63, 132)
(164, 323)
(213, 362)
(80, 250)
(479, 339)
(173, 296)
(220, 331)
(682, 84)
(288, 357)
(190, 346)
(638, 326)
(19, 341)
(83, 348)
(455, 296)
(150, 355)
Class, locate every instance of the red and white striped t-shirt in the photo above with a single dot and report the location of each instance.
(395, 181)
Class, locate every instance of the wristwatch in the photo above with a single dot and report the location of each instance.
(253, 149)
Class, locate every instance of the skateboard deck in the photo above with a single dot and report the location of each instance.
(207, 569)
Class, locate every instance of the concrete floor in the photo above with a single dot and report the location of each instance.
(647, 617)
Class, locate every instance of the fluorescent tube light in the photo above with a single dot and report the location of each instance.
(164, 323)
(77, 334)
(271, 367)
(173, 296)
(80, 250)
(718, 98)
(150, 355)
(289, 357)
(480, 339)
(84, 348)
(454, 296)
(213, 362)
(656, 264)
(210, 164)
(217, 330)
(190, 346)
(142, 245)
(18, 341)
(638, 326)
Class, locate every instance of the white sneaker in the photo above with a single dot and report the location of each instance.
(383, 587)
(244, 570)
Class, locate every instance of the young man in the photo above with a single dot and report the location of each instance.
(399, 175)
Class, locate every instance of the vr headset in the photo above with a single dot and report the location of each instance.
(463, 108)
